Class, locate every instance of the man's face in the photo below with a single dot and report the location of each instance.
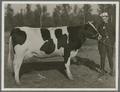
(105, 19)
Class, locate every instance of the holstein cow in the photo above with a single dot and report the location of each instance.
(64, 41)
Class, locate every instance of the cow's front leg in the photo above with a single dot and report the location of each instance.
(68, 71)
(67, 63)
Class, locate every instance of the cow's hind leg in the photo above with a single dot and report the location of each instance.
(18, 59)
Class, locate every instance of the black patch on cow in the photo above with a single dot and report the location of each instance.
(76, 37)
(58, 33)
(48, 47)
(61, 38)
(18, 36)
(45, 34)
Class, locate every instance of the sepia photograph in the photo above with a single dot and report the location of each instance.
(60, 45)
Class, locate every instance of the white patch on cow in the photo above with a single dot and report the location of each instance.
(60, 51)
(28, 54)
(66, 32)
(33, 42)
(52, 34)
(73, 53)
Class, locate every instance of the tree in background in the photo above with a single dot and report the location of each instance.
(74, 15)
(65, 14)
(9, 16)
(77, 16)
(57, 16)
(37, 16)
(19, 18)
(45, 17)
(111, 11)
(87, 12)
(81, 16)
(28, 16)
(102, 8)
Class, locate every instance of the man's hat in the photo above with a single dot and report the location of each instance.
(104, 14)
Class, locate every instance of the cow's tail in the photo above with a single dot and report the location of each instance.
(10, 55)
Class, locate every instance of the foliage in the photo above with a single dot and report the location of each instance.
(57, 16)
(62, 15)
(87, 12)
(9, 22)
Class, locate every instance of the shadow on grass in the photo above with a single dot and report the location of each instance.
(44, 66)
(88, 63)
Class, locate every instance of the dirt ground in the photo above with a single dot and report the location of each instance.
(48, 73)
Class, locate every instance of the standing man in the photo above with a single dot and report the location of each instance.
(106, 44)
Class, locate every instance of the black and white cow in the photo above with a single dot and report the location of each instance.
(65, 41)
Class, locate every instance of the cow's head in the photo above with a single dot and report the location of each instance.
(91, 31)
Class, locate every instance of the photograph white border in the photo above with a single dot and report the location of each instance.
(61, 89)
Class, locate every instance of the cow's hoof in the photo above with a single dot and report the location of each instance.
(71, 78)
(18, 83)
(69, 75)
